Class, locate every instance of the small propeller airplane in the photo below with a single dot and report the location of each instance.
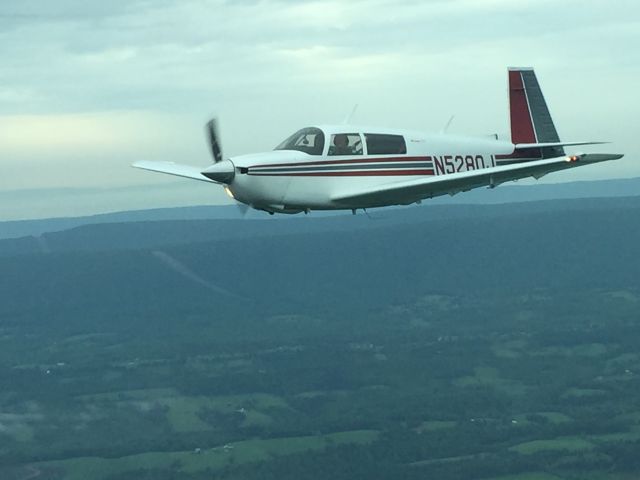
(336, 167)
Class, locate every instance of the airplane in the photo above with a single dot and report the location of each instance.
(349, 167)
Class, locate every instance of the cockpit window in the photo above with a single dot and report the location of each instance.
(345, 144)
(308, 140)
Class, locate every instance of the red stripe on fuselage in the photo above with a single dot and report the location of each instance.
(343, 162)
(362, 173)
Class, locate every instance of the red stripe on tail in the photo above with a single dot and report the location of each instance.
(522, 130)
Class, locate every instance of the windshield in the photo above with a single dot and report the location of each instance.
(308, 140)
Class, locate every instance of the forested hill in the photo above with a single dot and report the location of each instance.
(509, 193)
(152, 234)
(351, 261)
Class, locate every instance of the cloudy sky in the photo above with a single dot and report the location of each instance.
(88, 86)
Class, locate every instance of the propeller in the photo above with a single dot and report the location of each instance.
(214, 143)
(222, 171)
(243, 208)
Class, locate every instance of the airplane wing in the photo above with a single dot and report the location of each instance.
(171, 168)
(409, 191)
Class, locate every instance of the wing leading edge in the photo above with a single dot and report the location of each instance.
(170, 168)
(410, 191)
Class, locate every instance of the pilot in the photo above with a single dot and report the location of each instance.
(341, 145)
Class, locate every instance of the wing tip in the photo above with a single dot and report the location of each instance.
(602, 157)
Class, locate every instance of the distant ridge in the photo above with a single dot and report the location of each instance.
(110, 272)
(503, 194)
(140, 235)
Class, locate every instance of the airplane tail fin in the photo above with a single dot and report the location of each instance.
(531, 121)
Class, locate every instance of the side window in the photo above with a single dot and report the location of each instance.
(378, 144)
(345, 144)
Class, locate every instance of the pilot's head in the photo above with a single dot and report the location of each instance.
(340, 140)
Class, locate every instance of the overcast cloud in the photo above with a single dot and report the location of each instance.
(87, 87)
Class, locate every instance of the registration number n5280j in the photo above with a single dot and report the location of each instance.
(445, 164)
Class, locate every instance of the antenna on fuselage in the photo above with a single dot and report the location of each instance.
(348, 118)
(447, 125)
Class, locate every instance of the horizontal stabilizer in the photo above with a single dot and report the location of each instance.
(599, 157)
(524, 146)
(170, 168)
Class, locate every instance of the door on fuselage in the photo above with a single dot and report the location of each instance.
(345, 144)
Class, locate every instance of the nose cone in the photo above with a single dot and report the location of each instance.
(221, 172)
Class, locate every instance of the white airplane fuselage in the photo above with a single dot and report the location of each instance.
(290, 181)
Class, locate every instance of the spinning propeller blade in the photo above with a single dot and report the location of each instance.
(242, 207)
(214, 140)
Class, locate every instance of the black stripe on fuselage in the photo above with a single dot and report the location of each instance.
(378, 166)
(348, 161)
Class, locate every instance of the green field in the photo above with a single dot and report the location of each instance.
(569, 444)
(217, 458)
(423, 389)
(183, 411)
(490, 377)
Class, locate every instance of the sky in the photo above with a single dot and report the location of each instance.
(88, 87)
